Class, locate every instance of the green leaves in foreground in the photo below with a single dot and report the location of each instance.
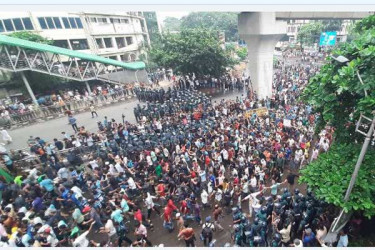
(337, 94)
(330, 174)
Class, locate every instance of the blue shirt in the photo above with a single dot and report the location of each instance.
(47, 184)
(117, 216)
(308, 239)
(72, 120)
(343, 241)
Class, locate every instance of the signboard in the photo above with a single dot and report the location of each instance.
(328, 38)
(259, 112)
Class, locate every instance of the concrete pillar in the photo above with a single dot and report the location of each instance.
(31, 93)
(88, 87)
(261, 32)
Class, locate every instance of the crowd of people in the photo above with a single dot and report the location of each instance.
(189, 159)
(60, 101)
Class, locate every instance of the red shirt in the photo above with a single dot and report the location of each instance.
(207, 160)
(138, 216)
(161, 189)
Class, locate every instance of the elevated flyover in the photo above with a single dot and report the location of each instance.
(262, 31)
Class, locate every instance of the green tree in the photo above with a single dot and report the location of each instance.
(30, 36)
(330, 174)
(338, 98)
(190, 51)
(310, 33)
(172, 24)
(218, 21)
(242, 53)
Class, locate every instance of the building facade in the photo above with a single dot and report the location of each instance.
(153, 25)
(120, 36)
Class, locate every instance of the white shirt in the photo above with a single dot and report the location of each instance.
(81, 241)
(253, 182)
(110, 227)
(149, 202)
(204, 197)
(94, 164)
(119, 168)
(218, 195)
(225, 154)
(131, 183)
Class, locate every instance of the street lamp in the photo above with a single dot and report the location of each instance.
(343, 59)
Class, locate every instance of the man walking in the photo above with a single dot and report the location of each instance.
(217, 215)
(188, 235)
(93, 111)
(73, 122)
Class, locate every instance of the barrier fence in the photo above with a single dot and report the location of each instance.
(57, 110)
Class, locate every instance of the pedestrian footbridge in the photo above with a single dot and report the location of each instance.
(18, 55)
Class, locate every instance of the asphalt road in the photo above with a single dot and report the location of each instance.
(51, 129)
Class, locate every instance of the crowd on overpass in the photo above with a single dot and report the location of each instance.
(193, 166)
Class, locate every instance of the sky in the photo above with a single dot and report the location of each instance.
(162, 15)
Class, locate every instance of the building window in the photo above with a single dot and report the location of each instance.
(115, 20)
(124, 20)
(93, 19)
(18, 24)
(57, 22)
(27, 23)
(120, 41)
(66, 23)
(50, 23)
(122, 58)
(79, 23)
(8, 24)
(72, 22)
(129, 40)
(79, 44)
(113, 57)
(61, 43)
(100, 43)
(102, 20)
(1, 27)
(108, 42)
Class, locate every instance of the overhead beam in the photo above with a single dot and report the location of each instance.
(321, 15)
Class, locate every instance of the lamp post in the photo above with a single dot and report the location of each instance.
(343, 59)
(343, 217)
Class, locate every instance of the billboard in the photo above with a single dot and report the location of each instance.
(328, 38)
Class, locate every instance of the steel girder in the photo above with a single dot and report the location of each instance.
(16, 59)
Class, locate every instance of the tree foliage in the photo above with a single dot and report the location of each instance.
(337, 95)
(330, 174)
(30, 36)
(195, 51)
(218, 21)
(172, 24)
(310, 33)
(242, 53)
(336, 92)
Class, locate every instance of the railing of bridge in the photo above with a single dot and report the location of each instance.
(57, 110)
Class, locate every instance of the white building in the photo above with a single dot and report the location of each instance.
(120, 36)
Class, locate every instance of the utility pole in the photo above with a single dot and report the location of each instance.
(361, 156)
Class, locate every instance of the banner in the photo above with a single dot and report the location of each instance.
(259, 112)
